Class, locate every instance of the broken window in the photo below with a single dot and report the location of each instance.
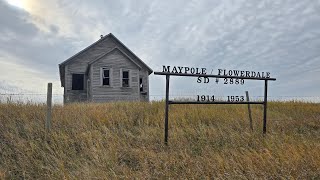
(77, 81)
(141, 85)
(125, 78)
(105, 77)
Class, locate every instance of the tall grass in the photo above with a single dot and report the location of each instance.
(125, 140)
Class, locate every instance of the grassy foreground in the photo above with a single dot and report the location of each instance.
(125, 140)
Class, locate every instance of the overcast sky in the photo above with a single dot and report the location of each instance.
(281, 37)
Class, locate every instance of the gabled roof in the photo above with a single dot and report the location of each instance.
(61, 65)
(104, 54)
(115, 48)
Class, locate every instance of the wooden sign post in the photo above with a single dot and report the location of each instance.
(249, 110)
(49, 106)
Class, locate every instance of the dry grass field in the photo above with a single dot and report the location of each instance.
(125, 141)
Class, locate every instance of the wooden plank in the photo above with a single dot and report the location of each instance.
(249, 110)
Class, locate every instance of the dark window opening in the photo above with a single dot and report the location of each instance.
(106, 81)
(125, 78)
(77, 81)
(141, 85)
(106, 77)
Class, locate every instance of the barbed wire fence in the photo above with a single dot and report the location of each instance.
(33, 98)
(38, 98)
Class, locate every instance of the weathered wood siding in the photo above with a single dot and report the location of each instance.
(79, 65)
(116, 61)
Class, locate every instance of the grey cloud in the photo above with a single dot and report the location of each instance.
(14, 21)
(54, 29)
(30, 46)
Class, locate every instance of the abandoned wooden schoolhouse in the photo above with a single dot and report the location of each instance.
(105, 71)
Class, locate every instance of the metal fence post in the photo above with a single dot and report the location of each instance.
(166, 125)
(265, 106)
(49, 106)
